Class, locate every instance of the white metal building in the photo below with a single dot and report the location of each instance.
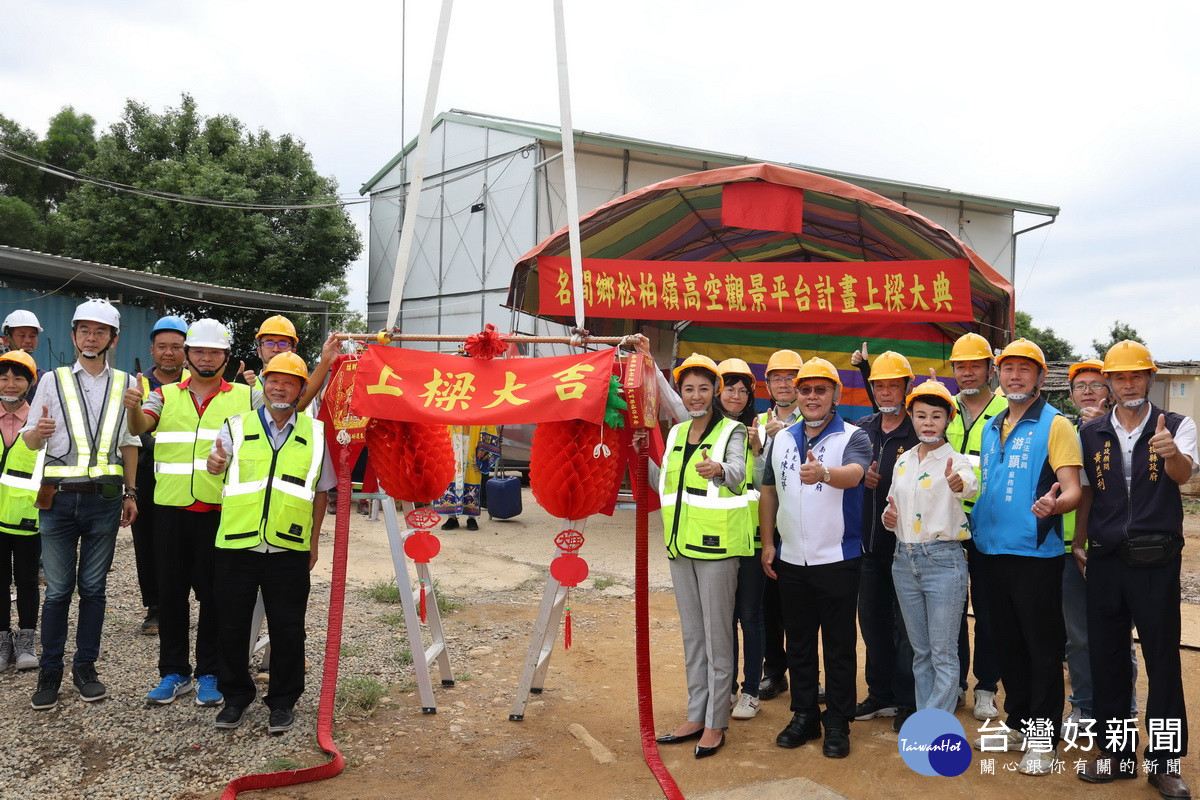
(494, 189)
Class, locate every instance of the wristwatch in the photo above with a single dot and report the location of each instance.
(825, 478)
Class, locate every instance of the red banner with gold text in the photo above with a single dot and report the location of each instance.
(417, 386)
(761, 291)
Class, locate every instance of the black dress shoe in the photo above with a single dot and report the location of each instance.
(772, 688)
(705, 752)
(801, 729)
(671, 738)
(837, 743)
(1170, 785)
(450, 524)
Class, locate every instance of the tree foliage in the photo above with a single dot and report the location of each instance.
(299, 251)
(1054, 347)
(1119, 332)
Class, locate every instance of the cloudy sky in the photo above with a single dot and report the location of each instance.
(1062, 103)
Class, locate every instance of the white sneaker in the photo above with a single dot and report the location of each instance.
(1074, 718)
(985, 705)
(746, 707)
(962, 698)
(6, 649)
(733, 701)
(1037, 763)
(999, 741)
(23, 641)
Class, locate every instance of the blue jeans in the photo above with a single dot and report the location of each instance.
(749, 611)
(79, 534)
(931, 585)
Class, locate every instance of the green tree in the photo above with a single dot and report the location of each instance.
(1119, 332)
(18, 180)
(20, 224)
(1053, 346)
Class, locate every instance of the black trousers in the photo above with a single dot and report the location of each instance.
(283, 579)
(889, 668)
(142, 531)
(987, 673)
(184, 544)
(1148, 597)
(822, 599)
(19, 564)
(1027, 625)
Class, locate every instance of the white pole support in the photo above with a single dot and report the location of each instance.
(571, 185)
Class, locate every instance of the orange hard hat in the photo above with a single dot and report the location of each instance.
(930, 389)
(1091, 365)
(1128, 356)
(287, 364)
(700, 362)
(888, 365)
(735, 366)
(278, 325)
(971, 347)
(819, 368)
(24, 359)
(784, 359)
(1022, 348)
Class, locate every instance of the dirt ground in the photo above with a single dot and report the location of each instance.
(470, 748)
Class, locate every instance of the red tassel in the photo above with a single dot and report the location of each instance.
(422, 600)
(567, 629)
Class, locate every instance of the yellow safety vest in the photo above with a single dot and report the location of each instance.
(269, 493)
(701, 519)
(93, 457)
(20, 479)
(184, 440)
(968, 441)
(183, 376)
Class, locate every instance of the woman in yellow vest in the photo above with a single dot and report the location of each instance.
(273, 504)
(20, 477)
(707, 529)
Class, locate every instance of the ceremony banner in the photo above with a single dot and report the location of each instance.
(761, 291)
(418, 386)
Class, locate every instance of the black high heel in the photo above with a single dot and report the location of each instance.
(671, 738)
(705, 752)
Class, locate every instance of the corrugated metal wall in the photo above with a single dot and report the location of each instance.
(54, 311)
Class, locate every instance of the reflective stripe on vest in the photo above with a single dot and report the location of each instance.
(20, 479)
(184, 441)
(968, 442)
(700, 518)
(88, 464)
(269, 496)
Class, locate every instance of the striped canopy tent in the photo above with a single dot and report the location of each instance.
(681, 220)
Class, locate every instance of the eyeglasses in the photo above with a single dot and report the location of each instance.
(779, 380)
(737, 392)
(89, 333)
(281, 344)
(1095, 387)
(819, 390)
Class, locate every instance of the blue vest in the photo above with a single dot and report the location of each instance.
(1016, 474)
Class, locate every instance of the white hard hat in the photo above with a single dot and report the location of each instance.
(100, 311)
(21, 319)
(208, 333)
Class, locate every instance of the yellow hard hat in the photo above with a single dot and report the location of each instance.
(277, 325)
(700, 362)
(930, 389)
(287, 364)
(971, 347)
(1091, 365)
(735, 366)
(819, 368)
(890, 364)
(24, 359)
(1128, 356)
(1022, 348)
(784, 359)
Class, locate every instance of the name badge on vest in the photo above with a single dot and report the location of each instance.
(295, 530)
(710, 540)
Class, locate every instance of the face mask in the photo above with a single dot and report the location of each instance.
(6, 399)
(697, 414)
(971, 392)
(889, 409)
(282, 406)
(169, 370)
(1134, 404)
(815, 423)
(788, 404)
(90, 356)
(929, 439)
(1018, 397)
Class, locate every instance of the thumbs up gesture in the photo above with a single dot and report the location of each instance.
(707, 468)
(871, 480)
(859, 356)
(46, 425)
(1044, 506)
(1162, 442)
(953, 479)
(812, 470)
(133, 395)
(753, 437)
(891, 515)
(217, 458)
(247, 374)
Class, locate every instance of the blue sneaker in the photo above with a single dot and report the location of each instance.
(171, 687)
(206, 691)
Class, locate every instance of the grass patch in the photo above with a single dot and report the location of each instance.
(283, 764)
(351, 650)
(604, 583)
(445, 603)
(462, 677)
(404, 657)
(1191, 506)
(393, 619)
(406, 687)
(383, 591)
(359, 693)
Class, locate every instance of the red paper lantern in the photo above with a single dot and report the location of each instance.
(573, 466)
(569, 569)
(422, 546)
(414, 461)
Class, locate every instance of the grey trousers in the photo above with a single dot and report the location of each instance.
(705, 594)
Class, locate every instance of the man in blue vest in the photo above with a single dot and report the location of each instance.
(88, 491)
(273, 504)
(812, 492)
(1137, 457)
(1030, 461)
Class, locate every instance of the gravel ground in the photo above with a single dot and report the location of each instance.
(121, 748)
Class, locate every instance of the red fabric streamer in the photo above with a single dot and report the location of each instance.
(422, 602)
(488, 343)
(567, 626)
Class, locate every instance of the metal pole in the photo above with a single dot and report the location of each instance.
(570, 183)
